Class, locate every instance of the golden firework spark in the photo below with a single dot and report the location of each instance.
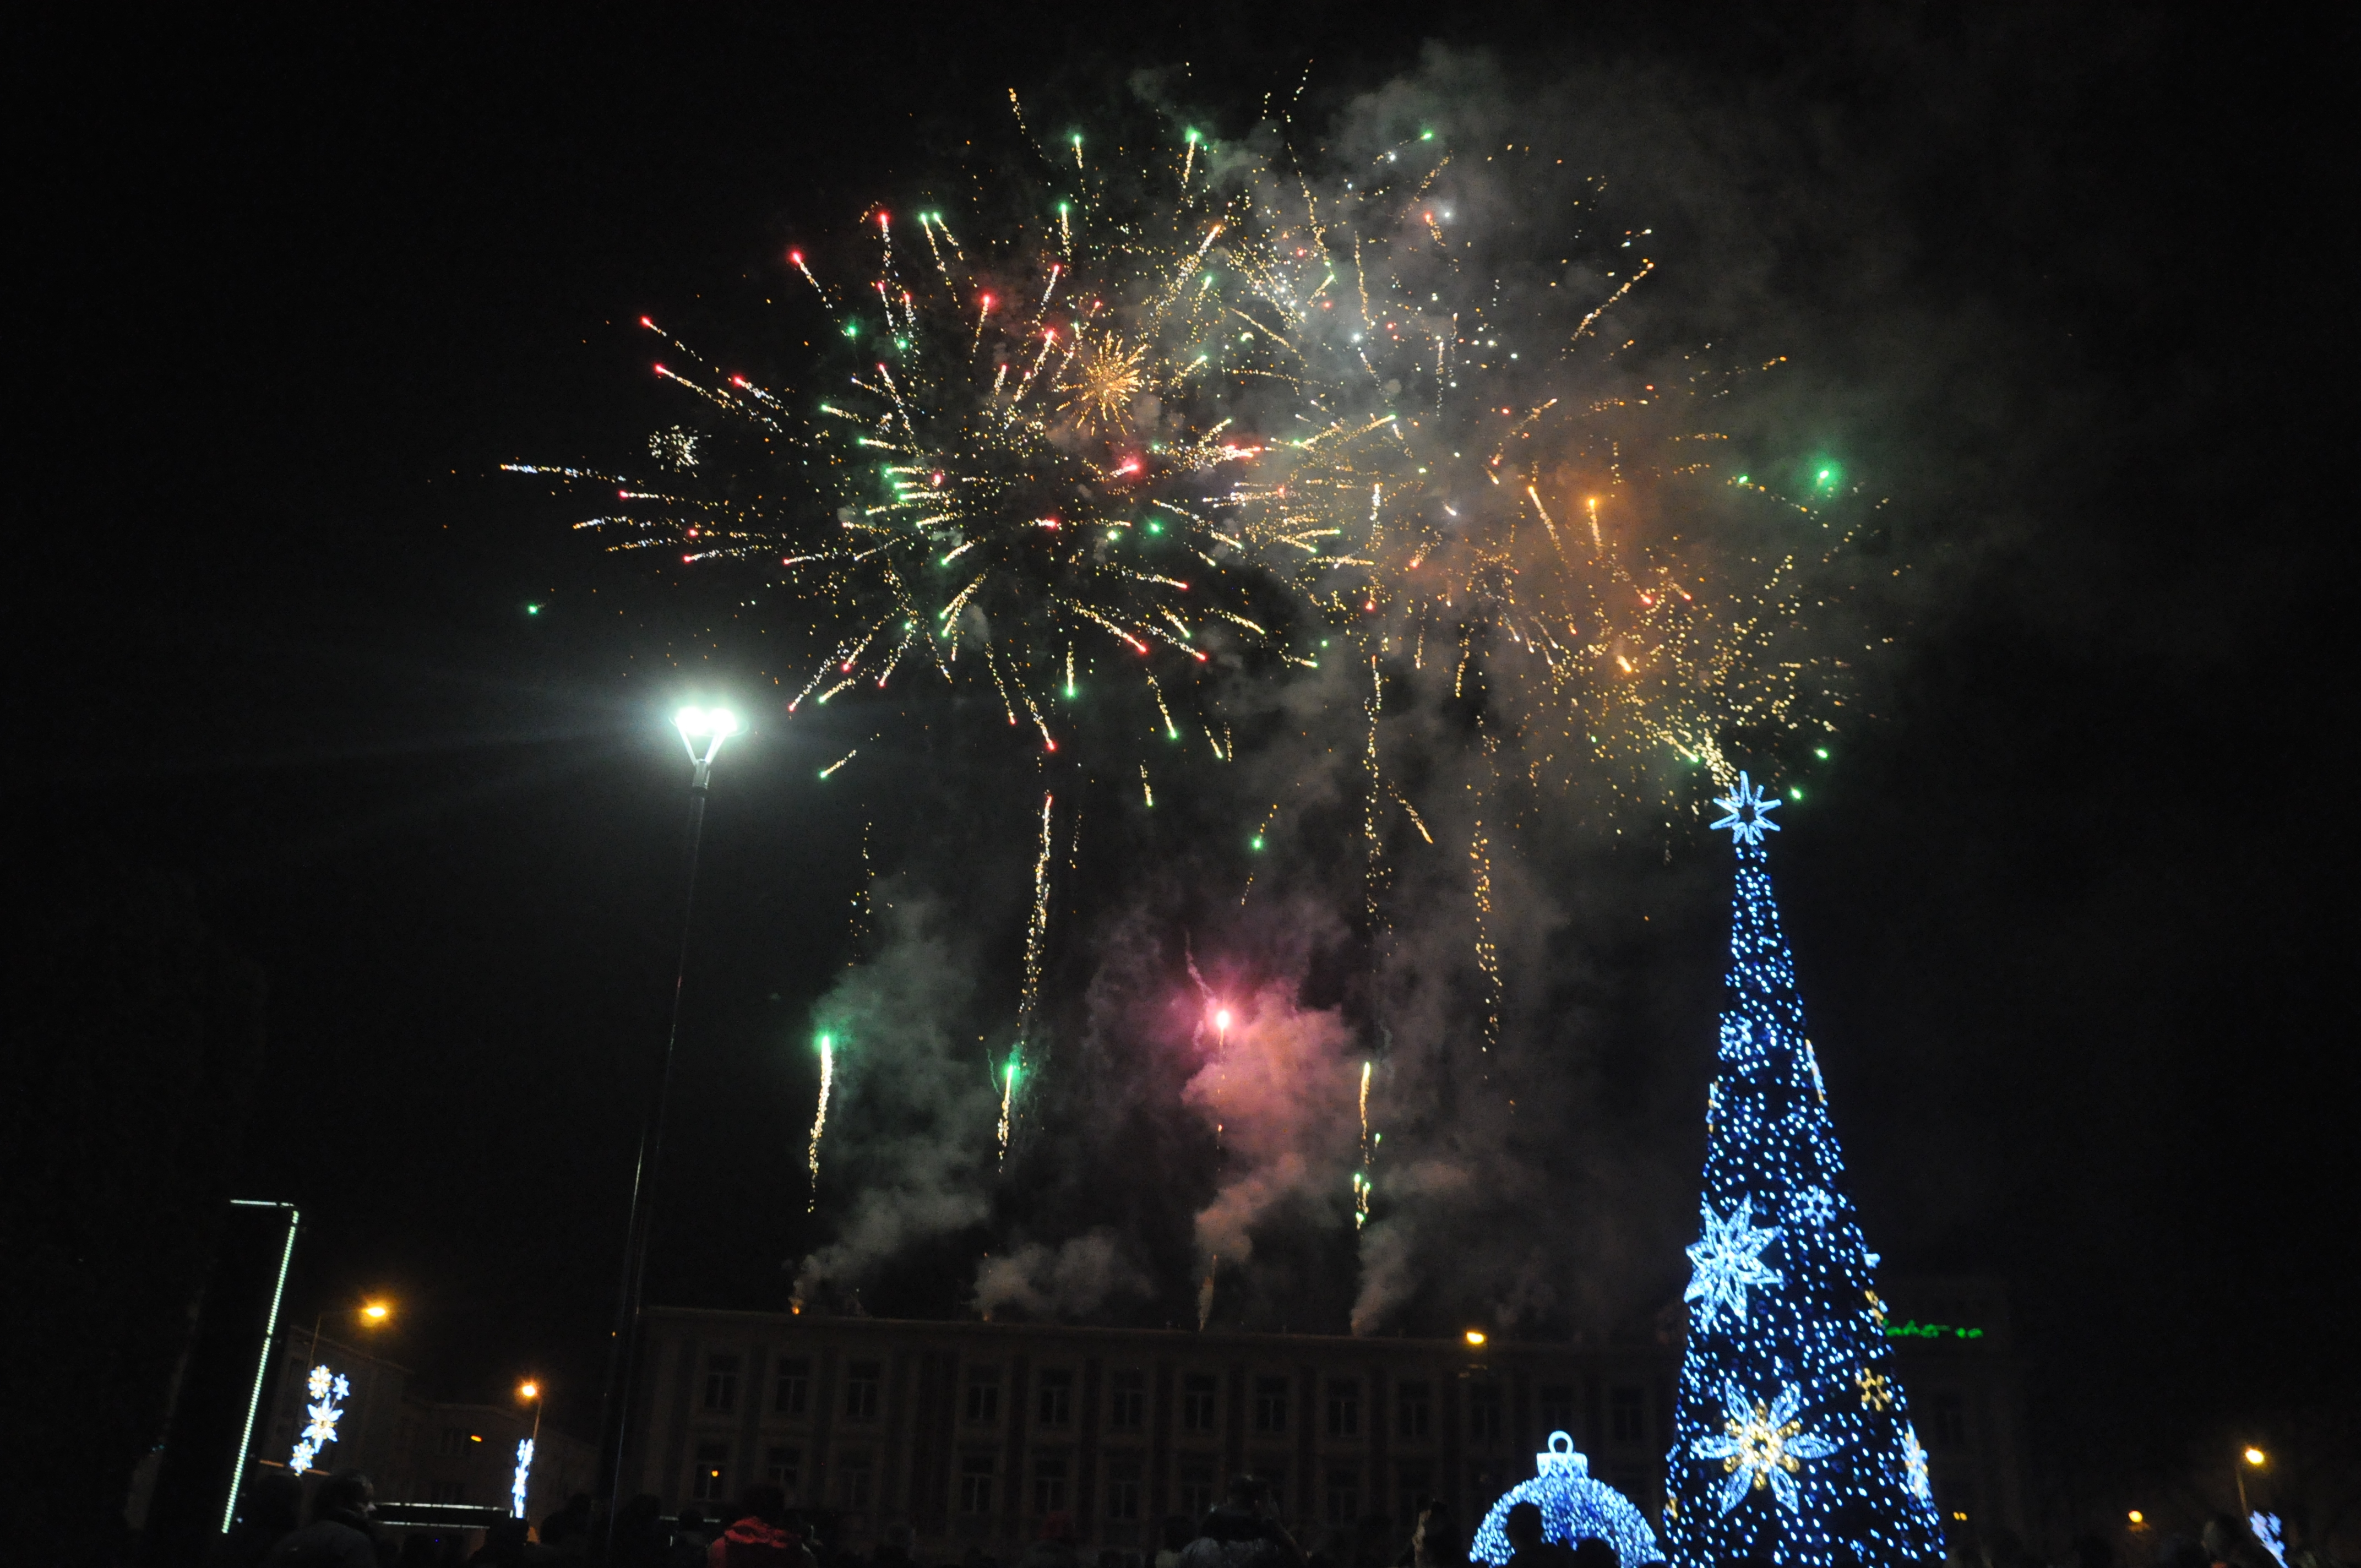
(1107, 378)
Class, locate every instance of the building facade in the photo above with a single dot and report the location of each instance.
(1957, 1360)
(416, 1450)
(975, 1434)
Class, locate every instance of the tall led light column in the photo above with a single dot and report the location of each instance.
(1792, 1440)
(702, 731)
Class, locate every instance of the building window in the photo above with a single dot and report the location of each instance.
(1344, 1408)
(454, 1441)
(793, 1396)
(720, 1382)
(1050, 1485)
(1950, 1420)
(1127, 1401)
(1197, 1405)
(1557, 1407)
(861, 1380)
(1413, 1484)
(1196, 1486)
(1344, 1496)
(1417, 1405)
(1057, 1403)
(709, 1482)
(783, 1469)
(975, 1483)
(982, 1395)
(1270, 1404)
(1123, 1489)
(1483, 1412)
(1627, 1420)
(852, 1481)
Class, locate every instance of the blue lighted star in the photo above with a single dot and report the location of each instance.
(1728, 1258)
(1747, 806)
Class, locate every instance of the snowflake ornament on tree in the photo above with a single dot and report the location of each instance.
(1728, 1258)
(1792, 1437)
(1761, 1444)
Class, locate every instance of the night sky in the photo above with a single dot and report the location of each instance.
(2068, 909)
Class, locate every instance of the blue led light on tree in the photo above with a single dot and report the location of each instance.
(1574, 1507)
(1792, 1440)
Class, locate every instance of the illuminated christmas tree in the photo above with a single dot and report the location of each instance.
(1792, 1440)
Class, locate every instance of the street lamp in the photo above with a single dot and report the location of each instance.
(530, 1392)
(2256, 1459)
(374, 1313)
(702, 732)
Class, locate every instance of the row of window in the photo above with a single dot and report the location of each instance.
(1127, 1408)
(978, 1487)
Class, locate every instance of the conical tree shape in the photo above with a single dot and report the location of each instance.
(1792, 1440)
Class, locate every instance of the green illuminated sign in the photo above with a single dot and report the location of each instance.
(1915, 1330)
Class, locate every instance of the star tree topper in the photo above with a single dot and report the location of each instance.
(1749, 811)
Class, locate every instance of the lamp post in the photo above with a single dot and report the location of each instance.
(373, 1314)
(2255, 1459)
(702, 731)
(528, 1392)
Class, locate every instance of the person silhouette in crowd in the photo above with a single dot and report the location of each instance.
(760, 1538)
(1174, 1537)
(268, 1511)
(340, 1534)
(1526, 1547)
(504, 1544)
(692, 1539)
(1434, 1540)
(2230, 1544)
(1052, 1545)
(639, 1536)
(893, 1551)
(1243, 1532)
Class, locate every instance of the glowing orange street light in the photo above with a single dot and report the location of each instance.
(2138, 1519)
(1474, 1336)
(2256, 1457)
(375, 1314)
(530, 1391)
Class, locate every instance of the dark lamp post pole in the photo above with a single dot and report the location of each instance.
(702, 731)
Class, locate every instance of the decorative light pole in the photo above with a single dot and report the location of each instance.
(531, 1392)
(702, 731)
(327, 1389)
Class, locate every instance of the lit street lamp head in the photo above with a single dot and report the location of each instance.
(375, 1314)
(528, 1391)
(2257, 1457)
(710, 725)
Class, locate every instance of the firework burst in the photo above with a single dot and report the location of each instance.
(1165, 430)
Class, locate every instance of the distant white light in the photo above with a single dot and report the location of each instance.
(523, 1471)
